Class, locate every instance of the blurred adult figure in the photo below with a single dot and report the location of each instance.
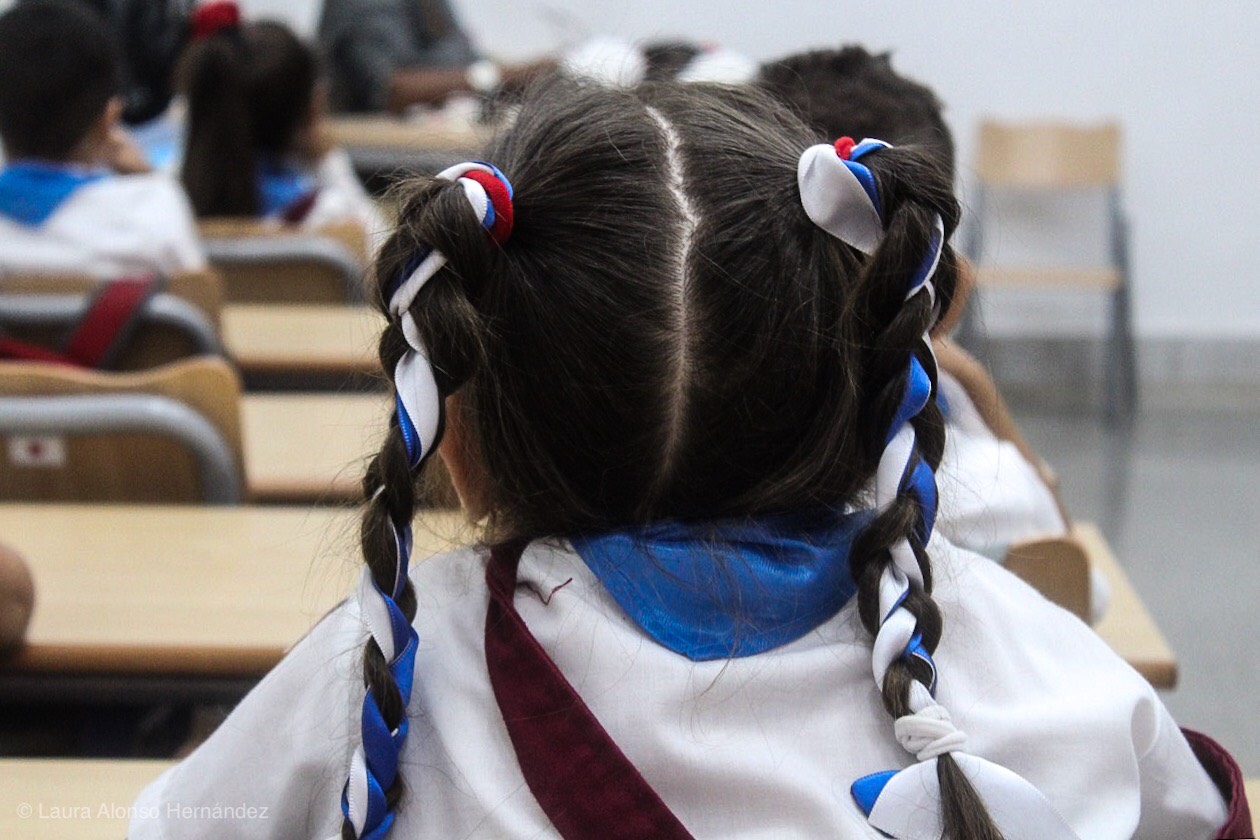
(387, 55)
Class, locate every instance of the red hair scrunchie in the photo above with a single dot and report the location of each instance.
(212, 18)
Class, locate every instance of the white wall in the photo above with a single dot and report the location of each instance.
(1184, 79)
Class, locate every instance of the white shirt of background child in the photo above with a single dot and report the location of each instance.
(117, 226)
(990, 496)
(342, 198)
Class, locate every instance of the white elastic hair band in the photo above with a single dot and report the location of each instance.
(835, 200)
(929, 732)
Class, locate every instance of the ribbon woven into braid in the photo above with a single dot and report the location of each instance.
(374, 765)
(840, 196)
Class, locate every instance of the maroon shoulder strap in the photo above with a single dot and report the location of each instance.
(297, 212)
(581, 778)
(12, 349)
(109, 321)
(1225, 773)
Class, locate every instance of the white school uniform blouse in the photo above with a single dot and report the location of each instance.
(342, 198)
(990, 496)
(762, 747)
(112, 227)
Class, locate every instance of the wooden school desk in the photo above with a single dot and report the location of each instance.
(71, 799)
(222, 592)
(310, 448)
(302, 339)
(384, 142)
(156, 597)
(1127, 625)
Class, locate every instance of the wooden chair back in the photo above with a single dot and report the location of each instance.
(203, 289)
(1057, 567)
(129, 466)
(295, 277)
(1048, 155)
(154, 342)
(1063, 158)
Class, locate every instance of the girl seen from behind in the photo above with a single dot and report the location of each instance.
(675, 357)
(256, 144)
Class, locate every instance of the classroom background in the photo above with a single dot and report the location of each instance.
(1174, 488)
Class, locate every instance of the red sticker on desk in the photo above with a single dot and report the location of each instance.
(38, 451)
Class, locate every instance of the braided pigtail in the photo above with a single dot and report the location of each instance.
(443, 249)
(903, 226)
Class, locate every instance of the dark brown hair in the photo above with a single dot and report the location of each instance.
(852, 92)
(667, 335)
(250, 90)
(60, 64)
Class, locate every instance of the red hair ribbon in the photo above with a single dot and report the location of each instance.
(212, 18)
(844, 147)
(500, 200)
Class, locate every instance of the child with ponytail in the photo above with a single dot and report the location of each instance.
(994, 488)
(674, 354)
(256, 145)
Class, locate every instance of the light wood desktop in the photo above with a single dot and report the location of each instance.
(224, 591)
(302, 339)
(391, 133)
(65, 799)
(1127, 625)
(310, 447)
(184, 590)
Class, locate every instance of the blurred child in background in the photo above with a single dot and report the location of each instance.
(256, 145)
(76, 195)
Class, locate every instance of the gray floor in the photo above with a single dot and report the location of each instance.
(1178, 497)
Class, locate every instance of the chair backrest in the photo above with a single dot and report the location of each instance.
(171, 434)
(181, 321)
(1048, 155)
(203, 289)
(1057, 567)
(262, 262)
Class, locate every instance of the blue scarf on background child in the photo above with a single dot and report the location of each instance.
(281, 186)
(31, 191)
(730, 588)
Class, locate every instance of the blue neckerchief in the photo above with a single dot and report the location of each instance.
(727, 589)
(281, 185)
(31, 190)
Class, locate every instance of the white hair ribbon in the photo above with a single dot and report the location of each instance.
(835, 198)
(907, 805)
